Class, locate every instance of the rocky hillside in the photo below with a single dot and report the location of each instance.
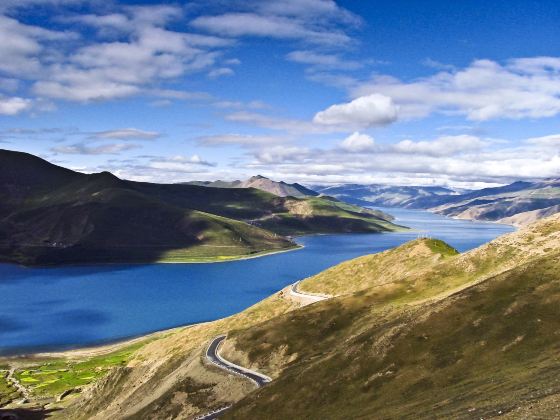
(281, 189)
(506, 204)
(518, 203)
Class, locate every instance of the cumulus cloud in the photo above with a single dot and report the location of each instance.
(138, 55)
(282, 154)
(462, 160)
(485, 90)
(552, 140)
(442, 146)
(366, 111)
(14, 105)
(358, 142)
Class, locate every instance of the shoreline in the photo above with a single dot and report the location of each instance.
(95, 349)
(212, 260)
(100, 348)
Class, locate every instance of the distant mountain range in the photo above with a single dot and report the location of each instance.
(262, 183)
(385, 195)
(51, 215)
(517, 203)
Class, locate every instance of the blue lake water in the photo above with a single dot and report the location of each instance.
(59, 308)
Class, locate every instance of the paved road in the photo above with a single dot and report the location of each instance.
(308, 298)
(213, 356)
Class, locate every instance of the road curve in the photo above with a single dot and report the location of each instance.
(214, 357)
(306, 297)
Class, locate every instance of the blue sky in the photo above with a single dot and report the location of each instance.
(404, 92)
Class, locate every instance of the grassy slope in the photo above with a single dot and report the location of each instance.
(378, 269)
(453, 336)
(472, 336)
(51, 377)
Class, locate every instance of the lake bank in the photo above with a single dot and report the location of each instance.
(50, 309)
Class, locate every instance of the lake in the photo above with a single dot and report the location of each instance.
(65, 307)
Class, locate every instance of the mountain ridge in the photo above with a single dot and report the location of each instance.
(279, 188)
(504, 204)
(52, 215)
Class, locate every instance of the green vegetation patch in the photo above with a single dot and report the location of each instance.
(440, 247)
(51, 378)
(8, 392)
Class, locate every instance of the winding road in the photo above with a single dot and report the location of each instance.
(214, 357)
(305, 298)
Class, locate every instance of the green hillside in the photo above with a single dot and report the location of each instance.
(473, 336)
(51, 215)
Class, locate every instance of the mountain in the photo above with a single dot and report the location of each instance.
(416, 332)
(50, 215)
(505, 204)
(262, 183)
(518, 203)
(385, 195)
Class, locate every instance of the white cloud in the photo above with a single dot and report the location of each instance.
(315, 59)
(318, 22)
(450, 160)
(245, 140)
(522, 88)
(281, 154)
(127, 134)
(13, 106)
(22, 44)
(552, 140)
(139, 56)
(291, 126)
(252, 24)
(220, 72)
(442, 146)
(358, 142)
(180, 164)
(83, 149)
(366, 111)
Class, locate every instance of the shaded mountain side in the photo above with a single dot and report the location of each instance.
(52, 215)
(281, 189)
(439, 334)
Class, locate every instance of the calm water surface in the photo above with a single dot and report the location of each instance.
(58, 308)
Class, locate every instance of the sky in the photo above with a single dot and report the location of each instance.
(463, 94)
